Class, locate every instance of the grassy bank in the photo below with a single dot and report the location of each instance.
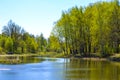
(19, 55)
(16, 58)
(54, 54)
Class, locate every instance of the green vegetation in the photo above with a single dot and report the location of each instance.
(15, 40)
(86, 31)
(115, 57)
(93, 29)
(53, 54)
(19, 59)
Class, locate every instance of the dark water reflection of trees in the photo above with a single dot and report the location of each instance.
(92, 70)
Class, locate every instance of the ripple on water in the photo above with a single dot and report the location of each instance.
(5, 69)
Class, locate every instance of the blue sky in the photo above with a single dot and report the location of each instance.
(36, 16)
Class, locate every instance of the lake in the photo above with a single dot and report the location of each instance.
(61, 69)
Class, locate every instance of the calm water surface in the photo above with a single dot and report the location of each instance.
(61, 69)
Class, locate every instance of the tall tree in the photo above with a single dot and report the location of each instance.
(14, 31)
(42, 42)
(93, 29)
(115, 27)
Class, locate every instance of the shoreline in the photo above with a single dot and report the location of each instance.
(15, 58)
(110, 58)
(18, 55)
(114, 58)
(94, 59)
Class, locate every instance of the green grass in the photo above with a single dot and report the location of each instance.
(52, 54)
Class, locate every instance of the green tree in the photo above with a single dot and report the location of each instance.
(15, 32)
(42, 42)
(115, 27)
(9, 45)
(22, 45)
(33, 46)
(93, 29)
(54, 43)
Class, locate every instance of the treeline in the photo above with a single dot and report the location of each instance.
(15, 39)
(93, 29)
(83, 30)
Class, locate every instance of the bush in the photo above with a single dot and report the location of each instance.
(0, 50)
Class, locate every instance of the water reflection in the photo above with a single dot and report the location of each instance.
(60, 69)
(92, 70)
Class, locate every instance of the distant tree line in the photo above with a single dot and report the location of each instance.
(93, 29)
(15, 39)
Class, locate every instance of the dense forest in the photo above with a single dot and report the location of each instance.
(80, 30)
(93, 29)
